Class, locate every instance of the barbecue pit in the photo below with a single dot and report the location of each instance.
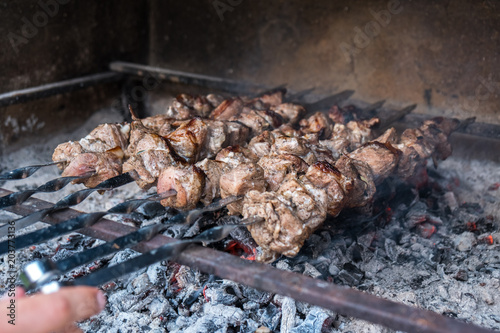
(450, 250)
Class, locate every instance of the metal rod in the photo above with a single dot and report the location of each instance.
(484, 130)
(69, 200)
(174, 76)
(24, 172)
(340, 299)
(50, 89)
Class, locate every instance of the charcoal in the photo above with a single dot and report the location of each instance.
(354, 252)
(462, 275)
(142, 302)
(157, 274)
(416, 215)
(254, 295)
(219, 295)
(249, 326)
(121, 300)
(391, 249)
(465, 241)
(302, 307)
(288, 311)
(122, 256)
(251, 305)
(333, 269)
(350, 275)
(159, 306)
(269, 316)
(311, 271)
(139, 285)
(317, 321)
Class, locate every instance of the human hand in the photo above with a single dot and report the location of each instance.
(56, 312)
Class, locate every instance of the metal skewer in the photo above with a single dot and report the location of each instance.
(129, 240)
(68, 201)
(41, 274)
(81, 221)
(24, 172)
(50, 186)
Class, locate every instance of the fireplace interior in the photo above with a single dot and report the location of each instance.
(431, 243)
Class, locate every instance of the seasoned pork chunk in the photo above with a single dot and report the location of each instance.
(382, 159)
(239, 181)
(291, 214)
(105, 165)
(291, 113)
(363, 187)
(317, 123)
(188, 181)
(213, 171)
(105, 137)
(325, 176)
(277, 167)
(188, 140)
(227, 109)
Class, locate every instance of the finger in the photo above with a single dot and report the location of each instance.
(54, 312)
(18, 293)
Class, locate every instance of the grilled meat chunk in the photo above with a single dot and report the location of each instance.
(213, 171)
(187, 180)
(227, 109)
(291, 214)
(277, 167)
(291, 113)
(325, 176)
(105, 165)
(382, 159)
(239, 181)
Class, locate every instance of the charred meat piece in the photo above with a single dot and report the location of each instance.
(319, 124)
(187, 141)
(239, 181)
(277, 167)
(160, 124)
(363, 187)
(105, 137)
(291, 113)
(325, 176)
(236, 155)
(382, 159)
(188, 181)
(148, 154)
(227, 109)
(105, 165)
(291, 214)
(261, 144)
(67, 151)
(213, 171)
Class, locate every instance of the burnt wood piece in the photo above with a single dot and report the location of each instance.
(50, 89)
(340, 299)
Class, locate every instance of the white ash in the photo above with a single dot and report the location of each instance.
(454, 272)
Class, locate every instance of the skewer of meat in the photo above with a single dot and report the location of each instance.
(294, 183)
(154, 143)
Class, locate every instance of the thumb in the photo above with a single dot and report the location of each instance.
(55, 312)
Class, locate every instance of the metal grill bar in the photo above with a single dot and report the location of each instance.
(343, 300)
(46, 90)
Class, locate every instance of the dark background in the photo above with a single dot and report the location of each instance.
(442, 55)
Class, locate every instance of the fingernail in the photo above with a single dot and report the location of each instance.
(101, 300)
